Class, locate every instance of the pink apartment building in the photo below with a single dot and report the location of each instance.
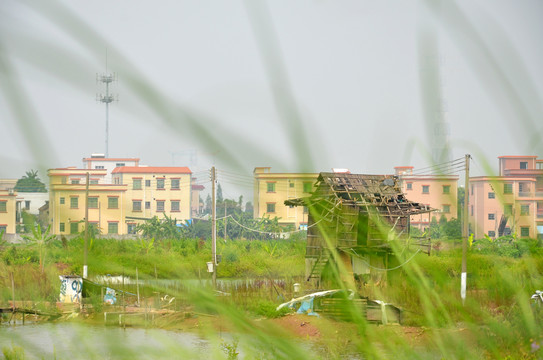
(511, 203)
(436, 191)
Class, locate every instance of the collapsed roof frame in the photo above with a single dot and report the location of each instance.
(355, 211)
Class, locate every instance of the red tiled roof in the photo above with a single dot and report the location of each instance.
(151, 170)
(517, 156)
(110, 159)
(198, 187)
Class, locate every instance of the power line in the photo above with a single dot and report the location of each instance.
(235, 174)
(455, 161)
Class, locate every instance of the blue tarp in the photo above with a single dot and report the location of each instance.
(307, 308)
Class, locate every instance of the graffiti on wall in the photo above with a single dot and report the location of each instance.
(70, 288)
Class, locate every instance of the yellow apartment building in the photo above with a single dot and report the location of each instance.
(154, 191)
(8, 211)
(137, 193)
(67, 194)
(272, 189)
(437, 191)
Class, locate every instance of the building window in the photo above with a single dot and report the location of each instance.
(409, 186)
(131, 228)
(471, 210)
(175, 184)
(291, 184)
(99, 167)
(75, 181)
(524, 231)
(74, 228)
(27, 204)
(446, 209)
(160, 205)
(446, 189)
(160, 184)
(425, 189)
(147, 205)
(491, 216)
(175, 205)
(508, 209)
(524, 165)
(61, 201)
(112, 228)
(93, 203)
(117, 181)
(491, 195)
(270, 207)
(74, 202)
(3, 206)
(93, 182)
(305, 210)
(307, 187)
(136, 205)
(524, 209)
(61, 227)
(271, 187)
(147, 183)
(136, 184)
(491, 233)
(471, 190)
(120, 164)
(507, 188)
(112, 202)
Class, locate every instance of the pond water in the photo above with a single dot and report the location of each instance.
(80, 341)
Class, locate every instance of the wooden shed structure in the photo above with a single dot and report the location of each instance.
(360, 216)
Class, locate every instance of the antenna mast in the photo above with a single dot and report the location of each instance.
(106, 78)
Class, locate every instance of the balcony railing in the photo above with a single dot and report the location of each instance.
(530, 194)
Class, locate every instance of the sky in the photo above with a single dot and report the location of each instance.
(304, 85)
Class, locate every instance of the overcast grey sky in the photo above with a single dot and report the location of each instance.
(207, 77)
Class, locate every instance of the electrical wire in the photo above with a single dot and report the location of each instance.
(441, 164)
(380, 269)
(280, 233)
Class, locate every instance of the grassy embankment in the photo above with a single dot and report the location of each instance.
(496, 321)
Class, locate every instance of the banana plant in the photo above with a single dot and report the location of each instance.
(40, 239)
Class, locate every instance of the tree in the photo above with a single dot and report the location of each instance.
(460, 202)
(249, 208)
(41, 240)
(452, 229)
(207, 208)
(219, 194)
(156, 228)
(435, 231)
(30, 182)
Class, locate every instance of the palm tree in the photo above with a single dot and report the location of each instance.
(30, 182)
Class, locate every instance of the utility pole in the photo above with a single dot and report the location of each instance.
(85, 270)
(213, 228)
(465, 232)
